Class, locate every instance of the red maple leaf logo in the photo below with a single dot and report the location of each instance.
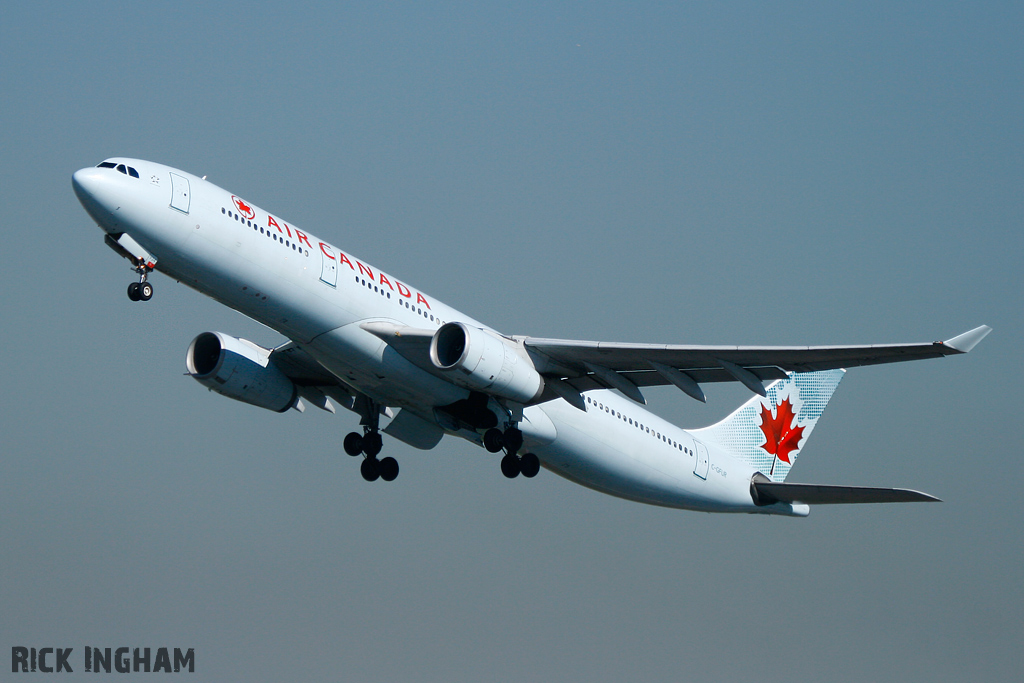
(782, 436)
(244, 208)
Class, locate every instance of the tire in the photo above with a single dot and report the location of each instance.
(513, 439)
(493, 440)
(145, 291)
(529, 465)
(133, 291)
(353, 443)
(370, 469)
(510, 466)
(388, 469)
(372, 443)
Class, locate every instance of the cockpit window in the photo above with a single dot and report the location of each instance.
(122, 168)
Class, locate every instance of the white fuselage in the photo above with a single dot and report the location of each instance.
(318, 295)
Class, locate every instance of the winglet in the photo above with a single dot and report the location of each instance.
(968, 340)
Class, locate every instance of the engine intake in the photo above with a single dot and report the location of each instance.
(484, 361)
(241, 370)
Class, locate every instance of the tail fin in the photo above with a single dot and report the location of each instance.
(769, 433)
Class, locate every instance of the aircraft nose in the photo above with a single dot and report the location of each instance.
(97, 193)
(85, 182)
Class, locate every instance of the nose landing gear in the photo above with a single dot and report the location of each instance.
(141, 290)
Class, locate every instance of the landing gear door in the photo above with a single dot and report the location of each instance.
(703, 461)
(329, 271)
(179, 193)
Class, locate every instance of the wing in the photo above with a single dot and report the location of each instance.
(315, 383)
(590, 365)
(570, 367)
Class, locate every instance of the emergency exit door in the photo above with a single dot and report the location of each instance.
(700, 468)
(179, 193)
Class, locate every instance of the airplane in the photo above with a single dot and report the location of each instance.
(376, 345)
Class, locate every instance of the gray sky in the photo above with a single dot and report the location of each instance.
(693, 173)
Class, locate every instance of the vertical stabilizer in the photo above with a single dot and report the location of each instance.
(768, 433)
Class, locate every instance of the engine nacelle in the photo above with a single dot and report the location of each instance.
(241, 370)
(484, 361)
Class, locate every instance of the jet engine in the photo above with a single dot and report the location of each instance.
(485, 361)
(241, 370)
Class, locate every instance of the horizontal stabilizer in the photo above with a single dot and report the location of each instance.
(768, 493)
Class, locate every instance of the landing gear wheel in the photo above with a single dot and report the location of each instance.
(133, 291)
(513, 439)
(353, 443)
(510, 466)
(145, 291)
(529, 465)
(370, 469)
(494, 441)
(388, 469)
(372, 443)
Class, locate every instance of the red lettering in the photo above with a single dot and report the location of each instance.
(344, 259)
(288, 229)
(302, 238)
(384, 281)
(272, 222)
(365, 269)
(403, 290)
(420, 299)
(327, 253)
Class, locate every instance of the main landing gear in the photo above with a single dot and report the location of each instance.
(512, 464)
(141, 290)
(369, 444)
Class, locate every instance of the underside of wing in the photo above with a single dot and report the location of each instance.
(313, 381)
(589, 365)
(300, 367)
